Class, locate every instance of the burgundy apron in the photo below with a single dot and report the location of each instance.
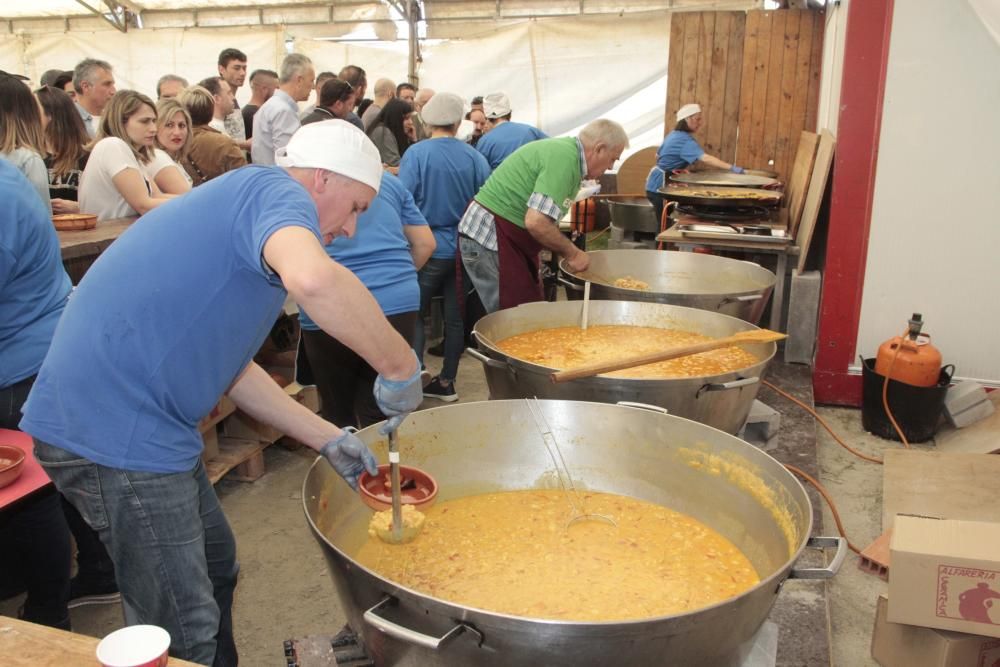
(520, 278)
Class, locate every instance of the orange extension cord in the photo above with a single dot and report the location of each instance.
(822, 422)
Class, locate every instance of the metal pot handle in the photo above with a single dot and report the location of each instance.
(732, 384)
(493, 363)
(571, 285)
(643, 406)
(739, 299)
(831, 569)
(405, 634)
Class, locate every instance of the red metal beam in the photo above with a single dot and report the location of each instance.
(866, 55)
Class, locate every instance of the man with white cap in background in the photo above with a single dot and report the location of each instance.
(516, 213)
(443, 174)
(504, 136)
(168, 321)
(680, 150)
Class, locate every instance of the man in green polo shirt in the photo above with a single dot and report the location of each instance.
(516, 212)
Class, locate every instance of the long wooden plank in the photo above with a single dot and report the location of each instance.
(787, 138)
(717, 83)
(689, 67)
(772, 107)
(803, 60)
(674, 65)
(815, 67)
(798, 180)
(30, 645)
(950, 486)
(703, 79)
(734, 70)
(759, 111)
(814, 195)
(747, 85)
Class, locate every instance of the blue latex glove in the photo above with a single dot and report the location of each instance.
(349, 456)
(736, 170)
(398, 398)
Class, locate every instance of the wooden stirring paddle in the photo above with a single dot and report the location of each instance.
(753, 336)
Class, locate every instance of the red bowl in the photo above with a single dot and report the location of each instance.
(417, 488)
(11, 464)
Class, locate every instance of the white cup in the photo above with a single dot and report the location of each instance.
(135, 646)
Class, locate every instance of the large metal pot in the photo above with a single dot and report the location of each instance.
(489, 446)
(727, 286)
(633, 214)
(722, 401)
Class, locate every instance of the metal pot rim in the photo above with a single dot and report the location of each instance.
(774, 579)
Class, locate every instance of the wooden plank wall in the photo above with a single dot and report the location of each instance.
(706, 59)
(756, 76)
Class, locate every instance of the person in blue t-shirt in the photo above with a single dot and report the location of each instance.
(392, 242)
(680, 150)
(169, 319)
(504, 136)
(36, 555)
(444, 175)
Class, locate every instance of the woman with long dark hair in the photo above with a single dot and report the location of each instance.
(21, 139)
(65, 139)
(389, 131)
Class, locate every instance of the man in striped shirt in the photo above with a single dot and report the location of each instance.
(516, 213)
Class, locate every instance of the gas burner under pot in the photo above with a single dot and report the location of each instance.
(724, 214)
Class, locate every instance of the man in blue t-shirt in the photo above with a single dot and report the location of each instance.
(167, 320)
(444, 175)
(504, 135)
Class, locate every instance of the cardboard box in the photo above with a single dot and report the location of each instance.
(898, 645)
(946, 574)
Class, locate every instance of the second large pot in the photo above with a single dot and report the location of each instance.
(722, 401)
(722, 285)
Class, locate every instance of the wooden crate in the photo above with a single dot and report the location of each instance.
(241, 425)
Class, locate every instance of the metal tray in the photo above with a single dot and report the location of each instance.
(724, 178)
(731, 234)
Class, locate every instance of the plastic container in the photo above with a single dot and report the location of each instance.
(917, 410)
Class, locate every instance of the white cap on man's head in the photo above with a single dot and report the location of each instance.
(443, 109)
(687, 111)
(496, 105)
(334, 145)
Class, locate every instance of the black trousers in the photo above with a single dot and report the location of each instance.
(345, 380)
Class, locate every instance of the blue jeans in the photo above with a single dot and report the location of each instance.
(173, 550)
(483, 267)
(438, 277)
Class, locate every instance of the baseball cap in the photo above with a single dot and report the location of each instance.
(687, 111)
(443, 109)
(334, 145)
(496, 105)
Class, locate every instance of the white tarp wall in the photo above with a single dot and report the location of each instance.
(141, 57)
(934, 233)
(559, 73)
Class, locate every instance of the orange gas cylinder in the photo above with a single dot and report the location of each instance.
(910, 359)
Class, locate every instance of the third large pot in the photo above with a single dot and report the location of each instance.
(479, 447)
(722, 401)
(722, 285)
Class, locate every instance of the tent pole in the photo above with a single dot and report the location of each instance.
(412, 15)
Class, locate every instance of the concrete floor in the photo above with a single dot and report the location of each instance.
(285, 591)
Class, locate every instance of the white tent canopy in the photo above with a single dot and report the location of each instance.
(576, 60)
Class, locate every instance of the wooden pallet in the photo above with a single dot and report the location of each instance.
(242, 459)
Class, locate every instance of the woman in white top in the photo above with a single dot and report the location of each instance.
(115, 183)
(22, 141)
(173, 133)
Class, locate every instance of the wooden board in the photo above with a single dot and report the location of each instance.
(814, 195)
(951, 486)
(235, 452)
(29, 645)
(798, 180)
(705, 49)
(634, 171)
